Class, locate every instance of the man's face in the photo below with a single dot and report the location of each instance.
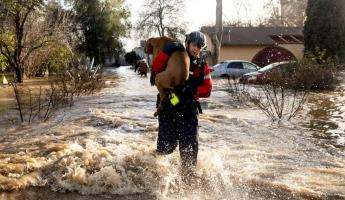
(194, 50)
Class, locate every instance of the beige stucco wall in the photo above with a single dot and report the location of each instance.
(247, 52)
(239, 52)
(295, 49)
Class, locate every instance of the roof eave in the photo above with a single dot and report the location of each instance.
(262, 44)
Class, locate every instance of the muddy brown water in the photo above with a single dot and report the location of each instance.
(103, 148)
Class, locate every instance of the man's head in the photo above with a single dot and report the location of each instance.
(195, 42)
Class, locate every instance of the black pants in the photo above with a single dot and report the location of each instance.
(178, 125)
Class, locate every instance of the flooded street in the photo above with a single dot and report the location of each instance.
(103, 148)
(327, 113)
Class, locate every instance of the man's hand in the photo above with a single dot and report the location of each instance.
(189, 91)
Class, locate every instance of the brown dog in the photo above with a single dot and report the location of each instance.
(177, 70)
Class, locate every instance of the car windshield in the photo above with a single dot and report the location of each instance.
(217, 65)
(270, 66)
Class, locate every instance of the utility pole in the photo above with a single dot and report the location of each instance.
(219, 30)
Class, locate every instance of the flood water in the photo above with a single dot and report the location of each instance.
(103, 148)
(327, 118)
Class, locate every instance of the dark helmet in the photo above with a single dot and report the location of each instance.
(197, 37)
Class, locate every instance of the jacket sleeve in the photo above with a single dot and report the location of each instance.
(159, 62)
(204, 90)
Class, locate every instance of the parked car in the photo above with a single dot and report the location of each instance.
(233, 68)
(263, 74)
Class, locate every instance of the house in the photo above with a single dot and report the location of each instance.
(261, 45)
(140, 52)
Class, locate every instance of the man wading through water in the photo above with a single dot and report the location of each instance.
(178, 119)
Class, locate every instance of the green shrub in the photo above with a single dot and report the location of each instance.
(306, 74)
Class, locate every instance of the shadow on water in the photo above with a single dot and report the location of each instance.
(327, 118)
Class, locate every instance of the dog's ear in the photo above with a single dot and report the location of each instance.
(148, 48)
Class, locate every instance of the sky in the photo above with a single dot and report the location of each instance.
(198, 13)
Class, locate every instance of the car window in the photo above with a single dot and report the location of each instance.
(249, 66)
(235, 65)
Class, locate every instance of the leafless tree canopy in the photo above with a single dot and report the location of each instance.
(161, 17)
(286, 12)
(290, 13)
(56, 27)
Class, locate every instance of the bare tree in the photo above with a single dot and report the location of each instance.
(25, 29)
(240, 7)
(162, 17)
(81, 78)
(57, 32)
(273, 10)
(13, 46)
(286, 12)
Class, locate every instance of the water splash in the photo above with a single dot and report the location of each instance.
(105, 145)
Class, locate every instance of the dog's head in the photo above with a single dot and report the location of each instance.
(148, 48)
(154, 45)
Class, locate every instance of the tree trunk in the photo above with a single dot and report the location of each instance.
(219, 31)
(19, 74)
(19, 32)
(282, 12)
(161, 25)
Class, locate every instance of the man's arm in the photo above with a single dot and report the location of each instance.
(204, 90)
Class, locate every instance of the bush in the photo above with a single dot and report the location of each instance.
(237, 90)
(78, 79)
(307, 74)
(131, 58)
(284, 91)
(314, 72)
(58, 59)
(278, 102)
(81, 78)
(41, 105)
(3, 63)
(273, 98)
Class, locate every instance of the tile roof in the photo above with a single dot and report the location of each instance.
(258, 35)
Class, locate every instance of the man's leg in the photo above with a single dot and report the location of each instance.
(188, 141)
(167, 138)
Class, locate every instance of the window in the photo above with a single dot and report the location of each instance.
(235, 65)
(249, 66)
